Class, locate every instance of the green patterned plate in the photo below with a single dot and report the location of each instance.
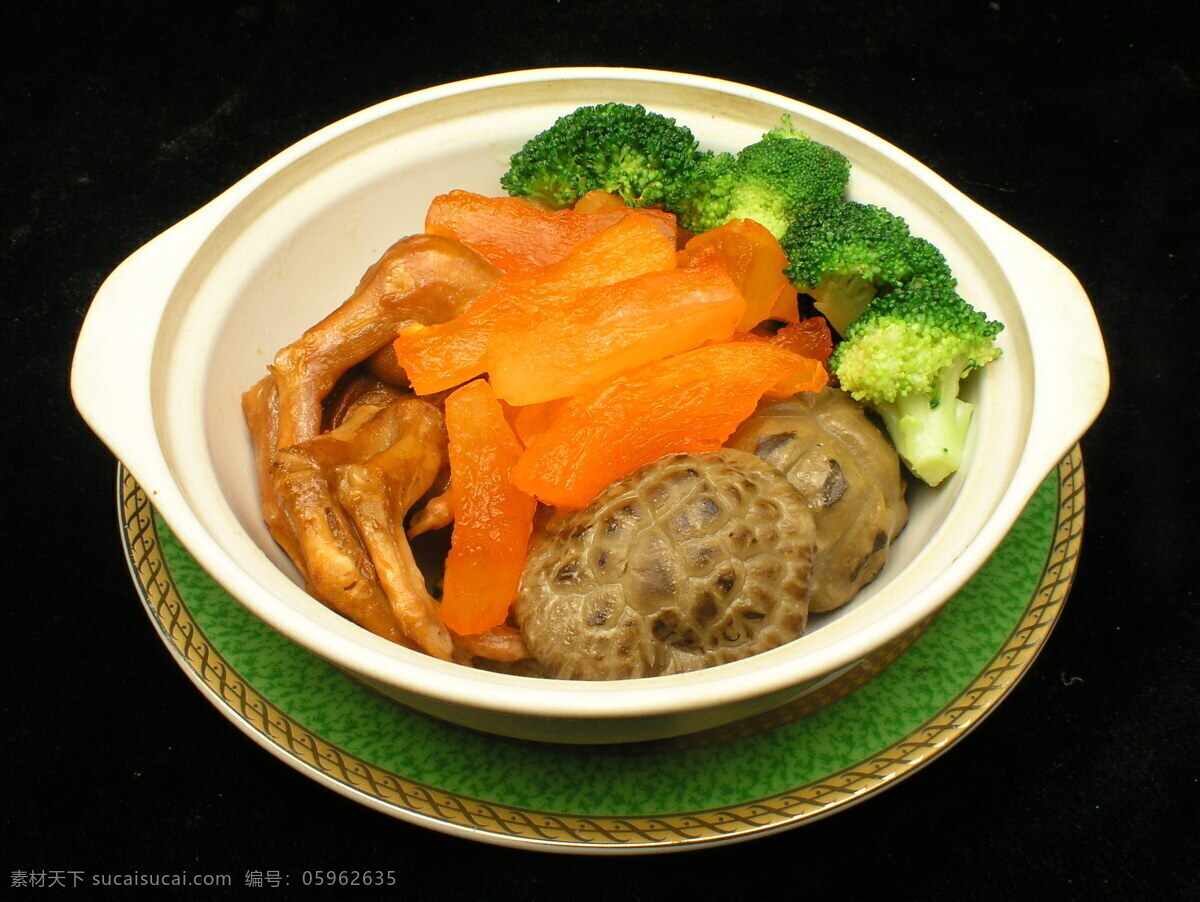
(881, 722)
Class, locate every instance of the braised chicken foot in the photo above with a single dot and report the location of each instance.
(438, 513)
(260, 406)
(337, 569)
(378, 493)
(500, 643)
(421, 278)
(338, 479)
(346, 493)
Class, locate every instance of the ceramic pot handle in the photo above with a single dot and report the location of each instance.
(1070, 377)
(111, 373)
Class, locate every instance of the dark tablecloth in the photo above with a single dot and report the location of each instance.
(1074, 122)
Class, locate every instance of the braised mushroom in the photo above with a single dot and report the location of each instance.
(848, 473)
(691, 561)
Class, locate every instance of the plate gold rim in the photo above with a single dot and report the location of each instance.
(508, 825)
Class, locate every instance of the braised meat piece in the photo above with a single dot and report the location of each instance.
(346, 493)
(421, 278)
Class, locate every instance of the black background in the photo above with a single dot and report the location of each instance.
(1075, 122)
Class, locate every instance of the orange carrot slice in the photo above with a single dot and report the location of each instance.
(448, 354)
(808, 338)
(605, 331)
(786, 308)
(517, 236)
(598, 201)
(755, 261)
(532, 420)
(492, 518)
(690, 402)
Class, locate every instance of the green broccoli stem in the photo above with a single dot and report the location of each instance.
(929, 431)
(842, 298)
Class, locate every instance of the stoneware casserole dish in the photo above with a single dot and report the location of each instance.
(191, 320)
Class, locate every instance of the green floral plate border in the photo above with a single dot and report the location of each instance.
(880, 722)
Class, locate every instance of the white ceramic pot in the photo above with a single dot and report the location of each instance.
(188, 322)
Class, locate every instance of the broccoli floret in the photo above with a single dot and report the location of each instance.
(904, 358)
(844, 254)
(613, 147)
(701, 200)
(769, 181)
